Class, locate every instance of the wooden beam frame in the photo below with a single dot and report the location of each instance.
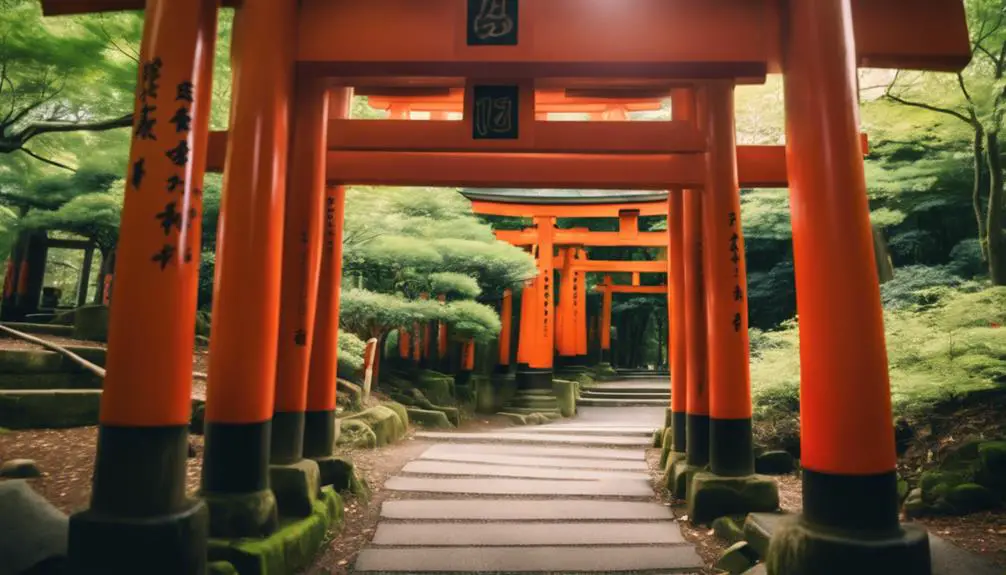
(567, 210)
(657, 290)
(614, 266)
(565, 237)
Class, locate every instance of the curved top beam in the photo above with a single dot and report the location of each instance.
(565, 197)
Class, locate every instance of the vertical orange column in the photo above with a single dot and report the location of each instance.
(468, 355)
(565, 338)
(441, 336)
(725, 277)
(319, 418)
(404, 343)
(541, 328)
(239, 404)
(697, 395)
(580, 309)
(848, 454)
(681, 108)
(426, 332)
(606, 321)
(302, 241)
(506, 318)
(525, 337)
(139, 512)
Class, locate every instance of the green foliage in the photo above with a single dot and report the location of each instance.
(936, 352)
(472, 320)
(914, 285)
(351, 349)
(966, 259)
(453, 284)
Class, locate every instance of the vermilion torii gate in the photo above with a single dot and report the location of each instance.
(290, 58)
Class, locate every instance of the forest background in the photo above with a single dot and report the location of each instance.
(934, 174)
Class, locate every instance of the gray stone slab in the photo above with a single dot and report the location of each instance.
(486, 486)
(536, 438)
(553, 462)
(426, 467)
(948, 559)
(599, 559)
(567, 429)
(524, 510)
(538, 451)
(526, 534)
(621, 415)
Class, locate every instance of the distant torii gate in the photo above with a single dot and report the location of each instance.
(289, 56)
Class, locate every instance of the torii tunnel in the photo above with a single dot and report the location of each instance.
(292, 146)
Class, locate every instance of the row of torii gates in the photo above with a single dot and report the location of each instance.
(272, 375)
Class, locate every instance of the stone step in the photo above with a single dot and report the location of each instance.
(529, 410)
(446, 468)
(598, 559)
(594, 402)
(578, 429)
(529, 450)
(628, 394)
(523, 510)
(552, 462)
(483, 486)
(552, 439)
(526, 534)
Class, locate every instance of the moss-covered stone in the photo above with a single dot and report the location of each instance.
(91, 322)
(288, 550)
(991, 466)
(399, 410)
(504, 389)
(438, 387)
(351, 395)
(604, 371)
(41, 328)
(515, 418)
(17, 361)
(242, 514)
(221, 568)
(485, 395)
(49, 409)
(565, 395)
(666, 445)
(340, 473)
(711, 496)
(356, 433)
(737, 558)
(775, 463)
(679, 478)
(296, 487)
(384, 422)
(971, 497)
(536, 419)
(727, 529)
(197, 422)
(429, 419)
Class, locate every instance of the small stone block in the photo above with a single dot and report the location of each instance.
(429, 418)
(296, 487)
(737, 559)
(19, 469)
(242, 514)
(758, 529)
(515, 418)
(775, 463)
(221, 568)
(680, 477)
(727, 529)
(712, 496)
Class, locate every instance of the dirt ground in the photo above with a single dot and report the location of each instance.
(982, 533)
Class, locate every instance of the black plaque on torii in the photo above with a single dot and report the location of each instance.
(492, 22)
(496, 112)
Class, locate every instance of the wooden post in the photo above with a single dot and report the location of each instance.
(542, 327)
(302, 240)
(565, 337)
(239, 404)
(848, 455)
(525, 337)
(506, 319)
(140, 514)
(85, 276)
(682, 108)
(580, 311)
(606, 321)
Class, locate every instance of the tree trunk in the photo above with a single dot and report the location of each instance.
(882, 255)
(978, 149)
(994, 226)
(104, 292)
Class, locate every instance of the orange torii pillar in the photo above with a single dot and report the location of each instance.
(506, 333)
(239, 404)
(139, 512)
(565, 327)
(677, 344)
(730, 486)
(302, 245)
(538, 374)
(525, 338)
(697, 394)
(580, 311)
(319, 418)
(441, 338)
(850, 500)
(606, 322)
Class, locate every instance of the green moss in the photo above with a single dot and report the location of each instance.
(384, 422)
(399, 410)
(351, 394)
(429, 418)
(291, 548)
(91, 322)
(971, 497)
(221, 568)
(49, 409)
(712, 496)
(21, 361)
(727, 529)
(565, 394)
(485, 395)
(515, 418)
(438, 387)
(991, 469)
(340, 473)
(356, 433)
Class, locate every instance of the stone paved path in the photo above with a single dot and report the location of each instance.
(567, 497)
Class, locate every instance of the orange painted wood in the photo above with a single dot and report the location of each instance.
(575, 171)
(538, 137)
(658, 208)
(67, 7)
(631, 289)
(568, 237)
(616, 266)
(506, 321)
(544, 317)
(568, 101)
(149, 374)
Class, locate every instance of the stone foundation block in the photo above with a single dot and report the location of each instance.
(679, 477)
(296, 487)
(290, 549)
(340, 473)
(797, 549)
(429, 418)
(666, 446)
(565, 395)
(737, 559)
(711, 496)
(242, 514)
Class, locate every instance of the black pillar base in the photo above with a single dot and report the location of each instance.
(606, 356)
(100, 544)
(287, 443)
(534, 379)
(731, 447)
(501, 369)
(679, 426)
(236, 479)
(320, 434)
(462, 377)
(800, 548)
(697, 436)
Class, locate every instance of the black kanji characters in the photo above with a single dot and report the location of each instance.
(737, 322)
(170, 218)
(145, 123)
(164, 256)
(182, 120)
(184, 92)
(139, 170)
(179, 155)
(174, 182)
(151, 74)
